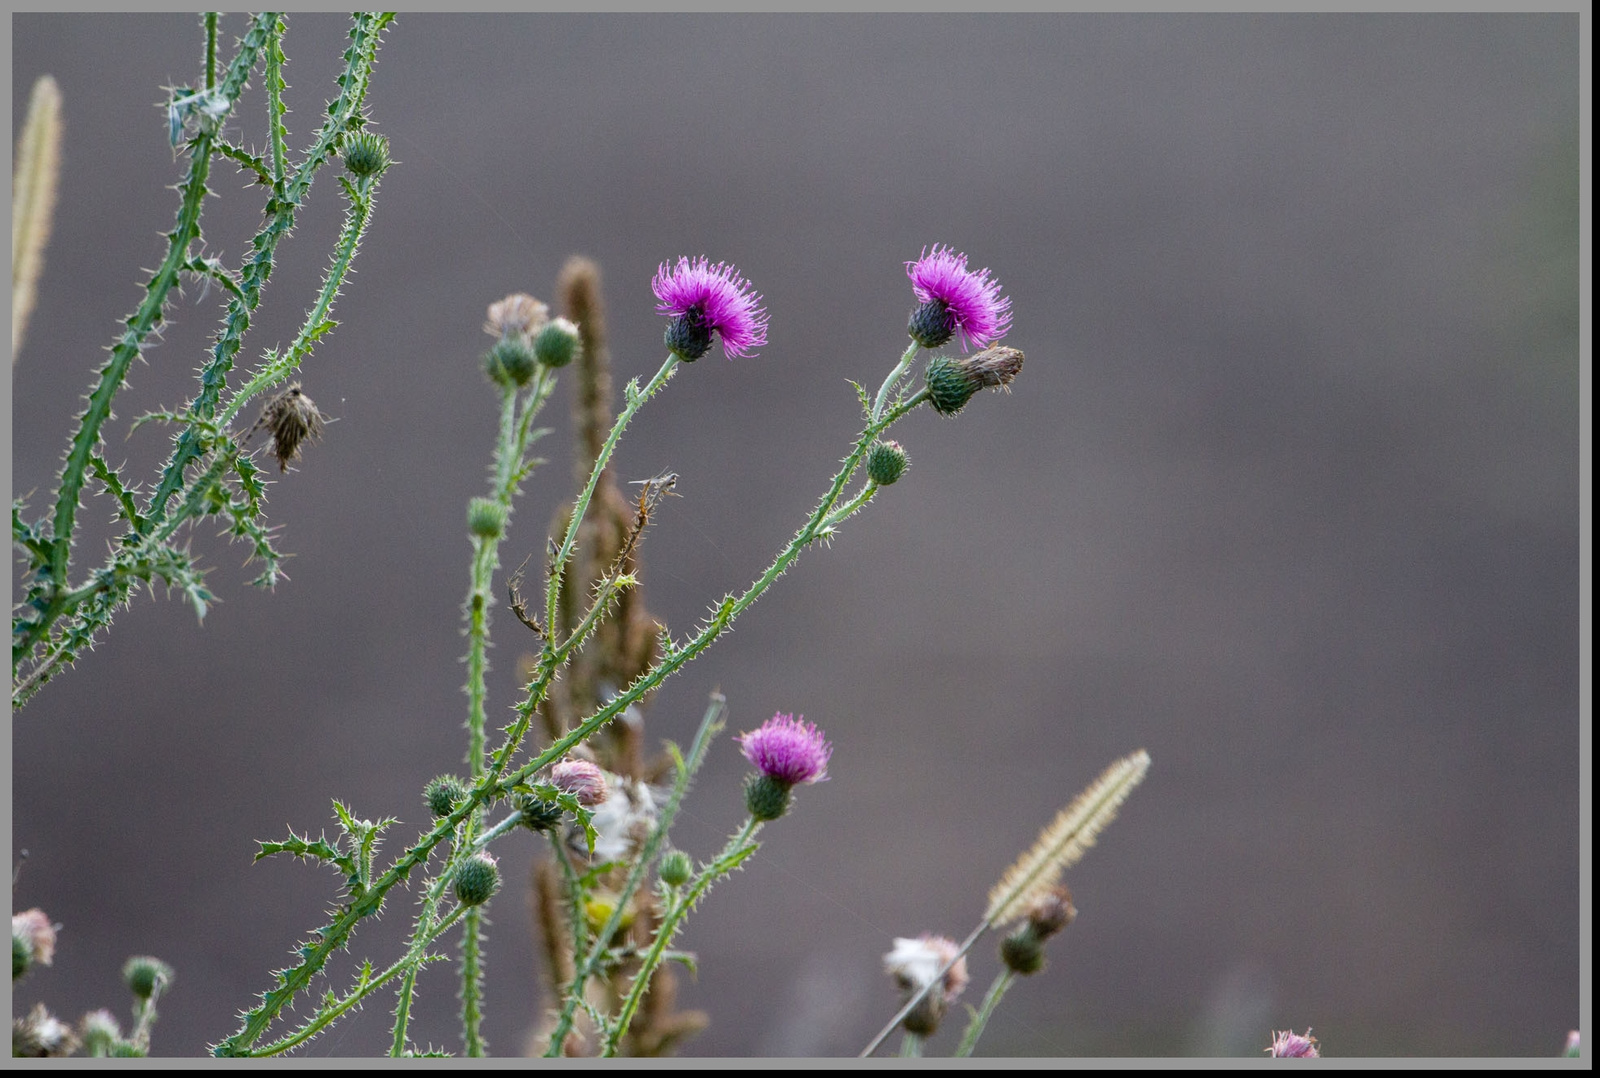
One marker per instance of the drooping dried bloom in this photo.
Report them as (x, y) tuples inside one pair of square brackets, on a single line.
[(914, 964), (953, 382), (41, 1034), (33, 941), (623, 823), (292, 417), (704, 299), (582, 779), (1051, 911), (955, 300), (1288, 1044), (788, 750)]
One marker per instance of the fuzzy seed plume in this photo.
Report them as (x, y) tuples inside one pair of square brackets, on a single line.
[(1064, 841)]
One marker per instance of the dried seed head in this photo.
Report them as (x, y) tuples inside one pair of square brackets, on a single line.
[(518, 314), (292, 417), (41, 1034)]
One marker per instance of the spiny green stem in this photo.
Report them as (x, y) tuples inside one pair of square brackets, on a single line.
[(472, 984), (980, 1017), (710, 724), (738, 848), (635, 401), (889, 382)]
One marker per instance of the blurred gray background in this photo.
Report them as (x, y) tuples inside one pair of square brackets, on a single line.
[(1285, 494)]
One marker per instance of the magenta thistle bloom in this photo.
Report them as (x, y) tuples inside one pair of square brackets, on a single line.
[(955, 300), (1288, 1044), (705, 299), (788, 750)]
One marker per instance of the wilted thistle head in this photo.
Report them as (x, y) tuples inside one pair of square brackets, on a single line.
[(518, 314), (953, 382), (703, 300), (41, 1034), (292, 417), (914, 964), (33, 941), (1288, 1044), (955, 300)]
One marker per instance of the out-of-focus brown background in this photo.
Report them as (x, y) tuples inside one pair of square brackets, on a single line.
[(1285, 494)]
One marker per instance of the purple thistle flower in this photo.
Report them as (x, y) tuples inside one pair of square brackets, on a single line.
[(788, 750), (703, 299), (1287, 1044), (955, 300), (581, 779)]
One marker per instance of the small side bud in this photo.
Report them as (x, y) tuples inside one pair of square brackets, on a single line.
[(688, 336), (582, 779), (766, 797), (540, 815), (676, 868), (558, 343), (146, 976), (932, 324), (443, 794), (477, 879), (886, 462), (510, 362), (1051, 912), (486, 518), (366, 154)]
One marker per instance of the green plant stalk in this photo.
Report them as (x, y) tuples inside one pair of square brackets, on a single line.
[(210, 20), (710, 724), (911, 1046), (276, 134), (889, 382), (980, 1017), (739, 847), (635, 400), (472, 984), (333, 936)]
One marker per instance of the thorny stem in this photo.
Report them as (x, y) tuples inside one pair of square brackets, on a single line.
[(709, 725), (738, 848), (894, 376), (980, 1018)]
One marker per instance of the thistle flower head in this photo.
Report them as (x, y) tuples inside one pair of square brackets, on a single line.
[(788, 750), (704, 299), (914, 964), (953, 382), (292, 417), (582, 779), (955, 300), (33, 941), (518, 314), (1287, 1044)]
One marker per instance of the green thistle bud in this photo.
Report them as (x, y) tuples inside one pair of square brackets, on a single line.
[(676, 868), (952, 382), (886, 462), (366, 154), (1022, 952), (146, 976), (511, 362), (540, 815), (766, 797), (99, 1033), (477, 879), (558, 343), (443, 794), (486, 518)]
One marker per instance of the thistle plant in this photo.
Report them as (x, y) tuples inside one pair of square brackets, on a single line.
[(209, 472)]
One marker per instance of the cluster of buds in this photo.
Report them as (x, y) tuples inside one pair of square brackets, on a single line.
[(1023, 950), (526, 338), (915, 966)]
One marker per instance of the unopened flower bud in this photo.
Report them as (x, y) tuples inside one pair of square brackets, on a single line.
[(675, 868), (366, 154), (886, 462), (540, 815), (146, 976), (581, 779), (33, 941), (510, 362), (477, 879), (443, 794), (486, 518), (557, 343)]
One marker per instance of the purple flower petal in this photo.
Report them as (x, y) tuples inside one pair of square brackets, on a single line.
[(727, 302), (788, 750), (981, 314)]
